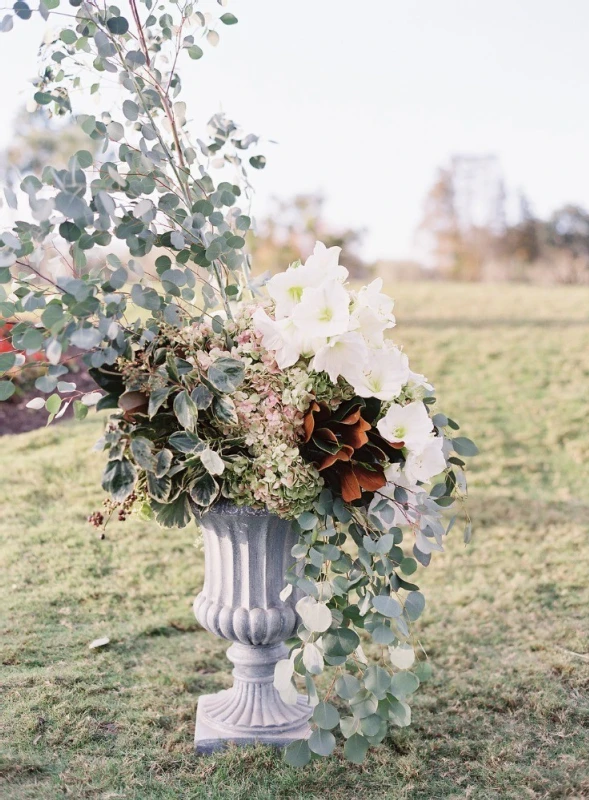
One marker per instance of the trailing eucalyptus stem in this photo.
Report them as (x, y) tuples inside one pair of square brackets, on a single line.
[(140, 219)]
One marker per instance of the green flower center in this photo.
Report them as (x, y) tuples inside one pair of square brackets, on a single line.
[(296, 292), (326, 314)]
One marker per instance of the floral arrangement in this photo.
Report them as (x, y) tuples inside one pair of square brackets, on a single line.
[(291, 398), (300, 404), (299, 392)]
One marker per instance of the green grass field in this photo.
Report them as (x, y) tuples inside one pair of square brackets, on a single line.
[(506, 714)]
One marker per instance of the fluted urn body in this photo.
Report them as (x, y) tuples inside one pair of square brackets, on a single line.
[(247, 553)]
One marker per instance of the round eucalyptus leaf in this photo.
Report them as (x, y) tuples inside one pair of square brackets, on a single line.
[(325, 716), (7, 389), (322, 742), (117, 25), (297, 754), (355, 748)]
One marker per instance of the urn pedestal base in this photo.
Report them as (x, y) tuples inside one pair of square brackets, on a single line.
[(251, 711), (247, 555)]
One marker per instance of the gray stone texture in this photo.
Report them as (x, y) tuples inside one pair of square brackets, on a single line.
[(247, 552)]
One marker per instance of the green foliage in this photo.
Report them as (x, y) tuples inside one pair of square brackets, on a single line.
[(484, 724), (151, 190), (157, 193)]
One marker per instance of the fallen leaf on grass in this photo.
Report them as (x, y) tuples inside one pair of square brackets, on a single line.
[(99, 643)]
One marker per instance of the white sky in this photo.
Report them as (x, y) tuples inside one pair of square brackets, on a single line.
[(367, 99)]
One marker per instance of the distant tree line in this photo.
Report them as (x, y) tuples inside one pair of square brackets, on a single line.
[(467, 234)]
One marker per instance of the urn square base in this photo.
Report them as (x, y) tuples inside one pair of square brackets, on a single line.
[(210, 736)]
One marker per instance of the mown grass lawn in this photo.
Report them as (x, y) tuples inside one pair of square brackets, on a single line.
[(506, 714)]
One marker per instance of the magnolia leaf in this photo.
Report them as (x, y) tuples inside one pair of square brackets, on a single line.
[(132, 403)]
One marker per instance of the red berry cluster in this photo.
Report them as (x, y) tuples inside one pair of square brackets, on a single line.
[(122, 510), (96, 518)]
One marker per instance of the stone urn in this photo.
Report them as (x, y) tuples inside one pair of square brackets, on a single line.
[(247, 553)]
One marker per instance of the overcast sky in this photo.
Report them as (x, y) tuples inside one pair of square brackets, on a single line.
[(366, 99)]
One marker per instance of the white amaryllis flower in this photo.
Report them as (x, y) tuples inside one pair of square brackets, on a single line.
[(372, 313), (426, 464), (286, 288), (323, 311), (325, 261), (341, 356), (383, 375), (409, 425), (278, 336)]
